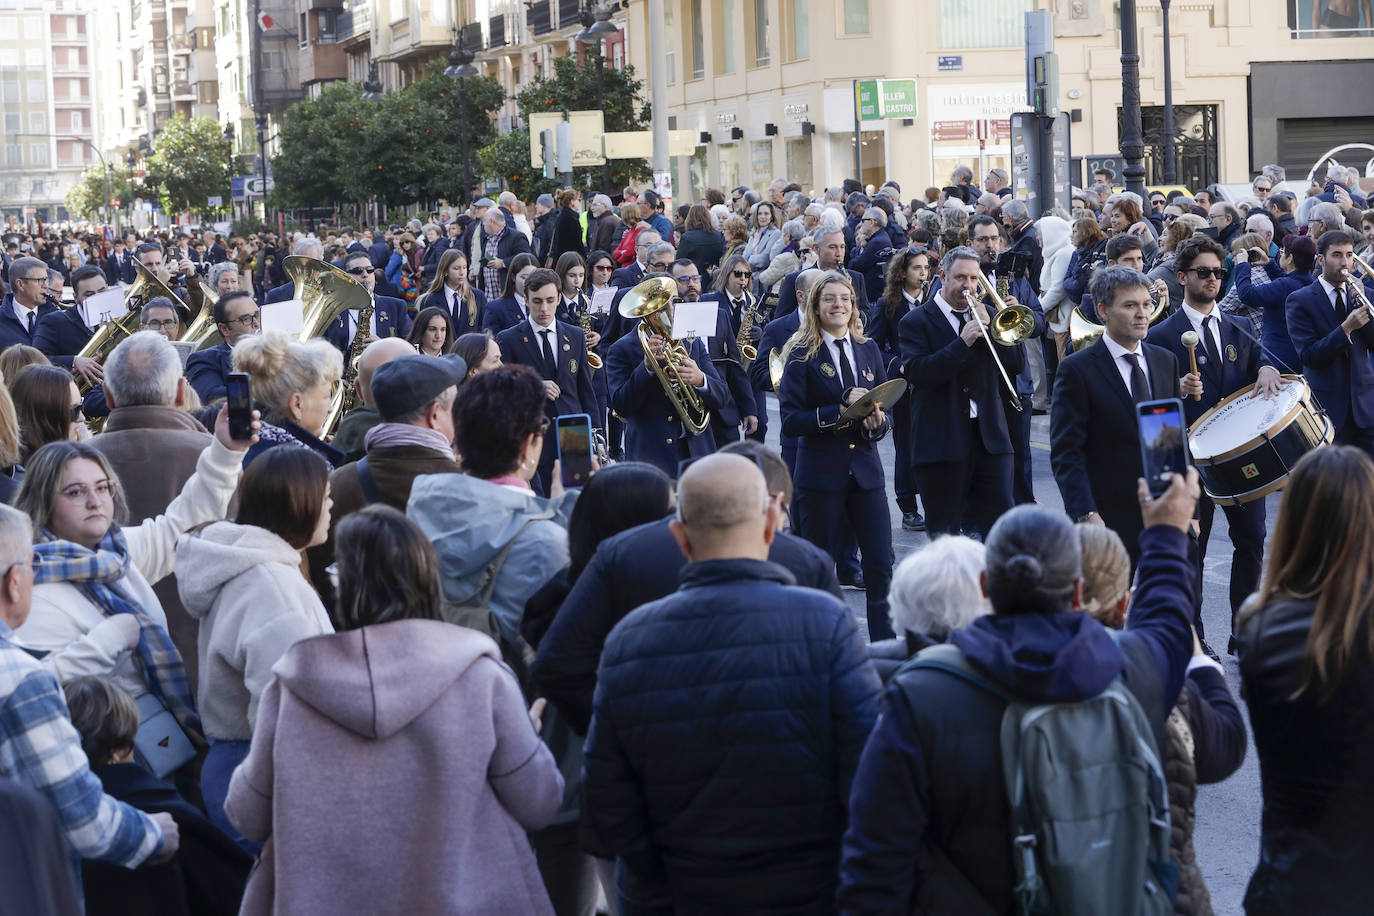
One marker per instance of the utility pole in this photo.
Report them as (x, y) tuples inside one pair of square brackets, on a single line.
[(1132, 135), (658, 86), (1170, 175)]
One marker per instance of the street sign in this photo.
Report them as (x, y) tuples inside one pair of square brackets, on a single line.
[(1112, 161), (215, 202), (950, 63), (880, 99), (254, 185), (236, 187), (114, 202), (639, 144), (587, 128)]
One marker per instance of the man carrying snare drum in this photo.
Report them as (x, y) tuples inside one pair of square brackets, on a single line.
[(1229, 359)]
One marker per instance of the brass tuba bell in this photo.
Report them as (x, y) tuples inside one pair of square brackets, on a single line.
[(204, 332), (652, 303), (111, 332), (325, 293)]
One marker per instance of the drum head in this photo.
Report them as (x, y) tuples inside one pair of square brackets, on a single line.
[(1243, 417)]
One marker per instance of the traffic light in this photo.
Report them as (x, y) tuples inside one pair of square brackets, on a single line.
[(1045, 99), (546, 151)]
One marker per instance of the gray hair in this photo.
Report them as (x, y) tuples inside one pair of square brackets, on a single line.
[(1034, 560), (806, 279), (928, 220), (493, 216), (647, 239), (601, 200), (958, 253), (719, 214), (794, 230), (832, 220), (25, 265), (820, 232), (1335, 172), (1106, 280), (282, 366), (212, 276), (16, 536), (964, 172), (1001, 175), (1016, 210), (1276, 173), (937, 590), (658, 248), (1329, 213), (877, 215), (987, 200), (1102, 190), (143, 371), (308, 247)]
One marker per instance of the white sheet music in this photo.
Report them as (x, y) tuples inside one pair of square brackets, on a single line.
[(287, 316), (104, 306), (601, 300), (694, 319)]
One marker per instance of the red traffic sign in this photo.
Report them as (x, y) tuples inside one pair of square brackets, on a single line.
[(114, 202)]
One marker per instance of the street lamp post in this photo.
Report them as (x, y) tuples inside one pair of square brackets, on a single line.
[(229, 147), (1132, 139), (593, 33), (460, 66), (1170, 175), (261, 125)]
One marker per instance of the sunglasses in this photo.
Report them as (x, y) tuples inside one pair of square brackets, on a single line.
[(76, 413), (360, 271), (741, 275), (1204, 273)]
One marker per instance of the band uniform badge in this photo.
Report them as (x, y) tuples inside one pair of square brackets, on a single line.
[(868, 375), (572, 367), (567, 346), (1231, 352), (827, 370)]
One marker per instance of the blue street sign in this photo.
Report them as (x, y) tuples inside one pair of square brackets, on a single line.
[(949, 63)]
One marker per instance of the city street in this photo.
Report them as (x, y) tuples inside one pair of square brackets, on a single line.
[(1226, 835)]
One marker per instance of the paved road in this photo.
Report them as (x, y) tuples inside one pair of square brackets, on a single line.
[(1226, 835)]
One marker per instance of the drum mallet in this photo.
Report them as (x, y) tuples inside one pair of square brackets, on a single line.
[(1190, 340)]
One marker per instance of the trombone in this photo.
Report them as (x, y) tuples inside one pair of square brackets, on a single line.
[(973, 306), (652, 302), (1008, 327), (1355, 288)]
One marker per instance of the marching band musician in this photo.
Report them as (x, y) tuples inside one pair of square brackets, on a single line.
[(732, 291), (451, 292), (237, 317), (576, 309), (960, 444), (724, 350), (1229, 358), (558, 352), (389, 316), (830, 364), (654, 432)]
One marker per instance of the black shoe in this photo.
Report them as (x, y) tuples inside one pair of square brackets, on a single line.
[(1231, 646), (855, 581), (913, 521), (1209, 651)]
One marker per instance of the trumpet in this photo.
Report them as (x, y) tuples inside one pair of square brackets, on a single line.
[(652, 302), (1366, 272), (1355, 289)]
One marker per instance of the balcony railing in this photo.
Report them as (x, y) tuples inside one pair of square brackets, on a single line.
[(496, 31), (181, 42), (357, 21), (568, 11), (538, 18)]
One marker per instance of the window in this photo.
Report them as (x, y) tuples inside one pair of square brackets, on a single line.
[(982, 23), (698, 40), (9, 58), (38, 154), (13, 123), (38, 122), (37, 187), (37, 91), (11, 187), (725, 36), (796, 30), (14, 154), (328, 25), (856, 16), (757, 23), (11, 90), (76, 119), (33, 28), (1322, 19), (33, 57), (273, 61)]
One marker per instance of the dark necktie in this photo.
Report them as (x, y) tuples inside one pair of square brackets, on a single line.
[(962, 315), (1140, 385), (1340, 304), (1209, 343), (846, 373), (550, 366), (31, 317)]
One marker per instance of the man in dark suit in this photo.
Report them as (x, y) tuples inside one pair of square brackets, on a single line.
[(215, 252), (119, 266), (1229, 359), (658, 260), (64, 332), (380, 249), (1333, 337), (558, 352), (389, 316), (304, 248), (960, 445), (236, 316), (628, 276), (742, 409), (829, 244), (349, 243), (1094, 436), (499, 244), (654, 432), (26, 302)]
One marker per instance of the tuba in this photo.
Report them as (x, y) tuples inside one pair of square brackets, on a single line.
[(204, 332), (326, 293), (652, 302), (146, 286)]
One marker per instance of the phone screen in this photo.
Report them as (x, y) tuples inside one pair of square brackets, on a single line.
[(1163, 442), (575, 449), (240, 397)]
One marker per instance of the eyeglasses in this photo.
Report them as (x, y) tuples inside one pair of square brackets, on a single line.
[(76, 413), (80, 492), (39, 279), (1204, 273), (167, 325), (604, 267), (251, 320), (1260, 187), (689, 279), (740, 275), (659, 266), (360, 271)]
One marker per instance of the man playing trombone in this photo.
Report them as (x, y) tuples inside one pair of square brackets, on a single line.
[(960, 445)]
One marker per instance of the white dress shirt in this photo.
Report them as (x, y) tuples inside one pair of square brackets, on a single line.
[(1124, 365), (834, 350), (353, 321), (23, 314), (1196, 318), (953, 320)]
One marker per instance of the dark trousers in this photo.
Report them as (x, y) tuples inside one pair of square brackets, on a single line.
[(761, 404), (1019, 425), (1362, 437), (1246, 523), (847, 563), (568, 873), (819, 521), (966, 497), (903, 474), (723, 433)]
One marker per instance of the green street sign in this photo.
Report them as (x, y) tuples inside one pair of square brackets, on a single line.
[(879, 99)]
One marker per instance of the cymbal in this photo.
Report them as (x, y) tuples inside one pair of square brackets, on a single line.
[(877, 398)]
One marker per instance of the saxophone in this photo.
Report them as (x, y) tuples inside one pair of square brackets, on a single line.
[(346, 398), (585, 320), (747, 350)]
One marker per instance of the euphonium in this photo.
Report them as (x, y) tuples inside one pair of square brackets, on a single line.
[(326, 293), (747, 350), (204, 332), (652, 303), (1084, 332), (145, 287)]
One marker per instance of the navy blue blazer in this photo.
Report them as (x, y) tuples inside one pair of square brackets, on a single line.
[(281, 293), (883, 332), (811, 401), (945, 374), (502, 313), (1337, 367), (208, 372), (735, 317), (652, 427), (787, 294), (391, 318), (120, 269), (626, 277), (574, 377), (775, 336), (12, 331), (1241, 358), (461, 323), (1270, 298), (61, 333)]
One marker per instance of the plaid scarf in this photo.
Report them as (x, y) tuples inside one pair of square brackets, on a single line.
[(96, 574)]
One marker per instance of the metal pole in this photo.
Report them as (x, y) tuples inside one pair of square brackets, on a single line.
[(1170, 175), (463, 145), (658, 84), (1132, 139), (858, 151), (261, 125), (601, 106)]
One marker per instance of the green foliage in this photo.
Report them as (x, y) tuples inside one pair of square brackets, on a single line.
[(87, 196), (573, 87), (405, 148), (190, 163)]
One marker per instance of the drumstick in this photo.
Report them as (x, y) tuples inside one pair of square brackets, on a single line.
[(1189, 339)]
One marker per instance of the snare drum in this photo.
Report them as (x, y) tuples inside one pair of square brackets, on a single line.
[(1245, 447)]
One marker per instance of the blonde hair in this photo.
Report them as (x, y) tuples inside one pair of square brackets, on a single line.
[(282, 366), (809, 334), (1106, 571)]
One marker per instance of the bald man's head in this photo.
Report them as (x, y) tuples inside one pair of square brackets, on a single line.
[(803, 284), (378, 352), (724, 510)]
